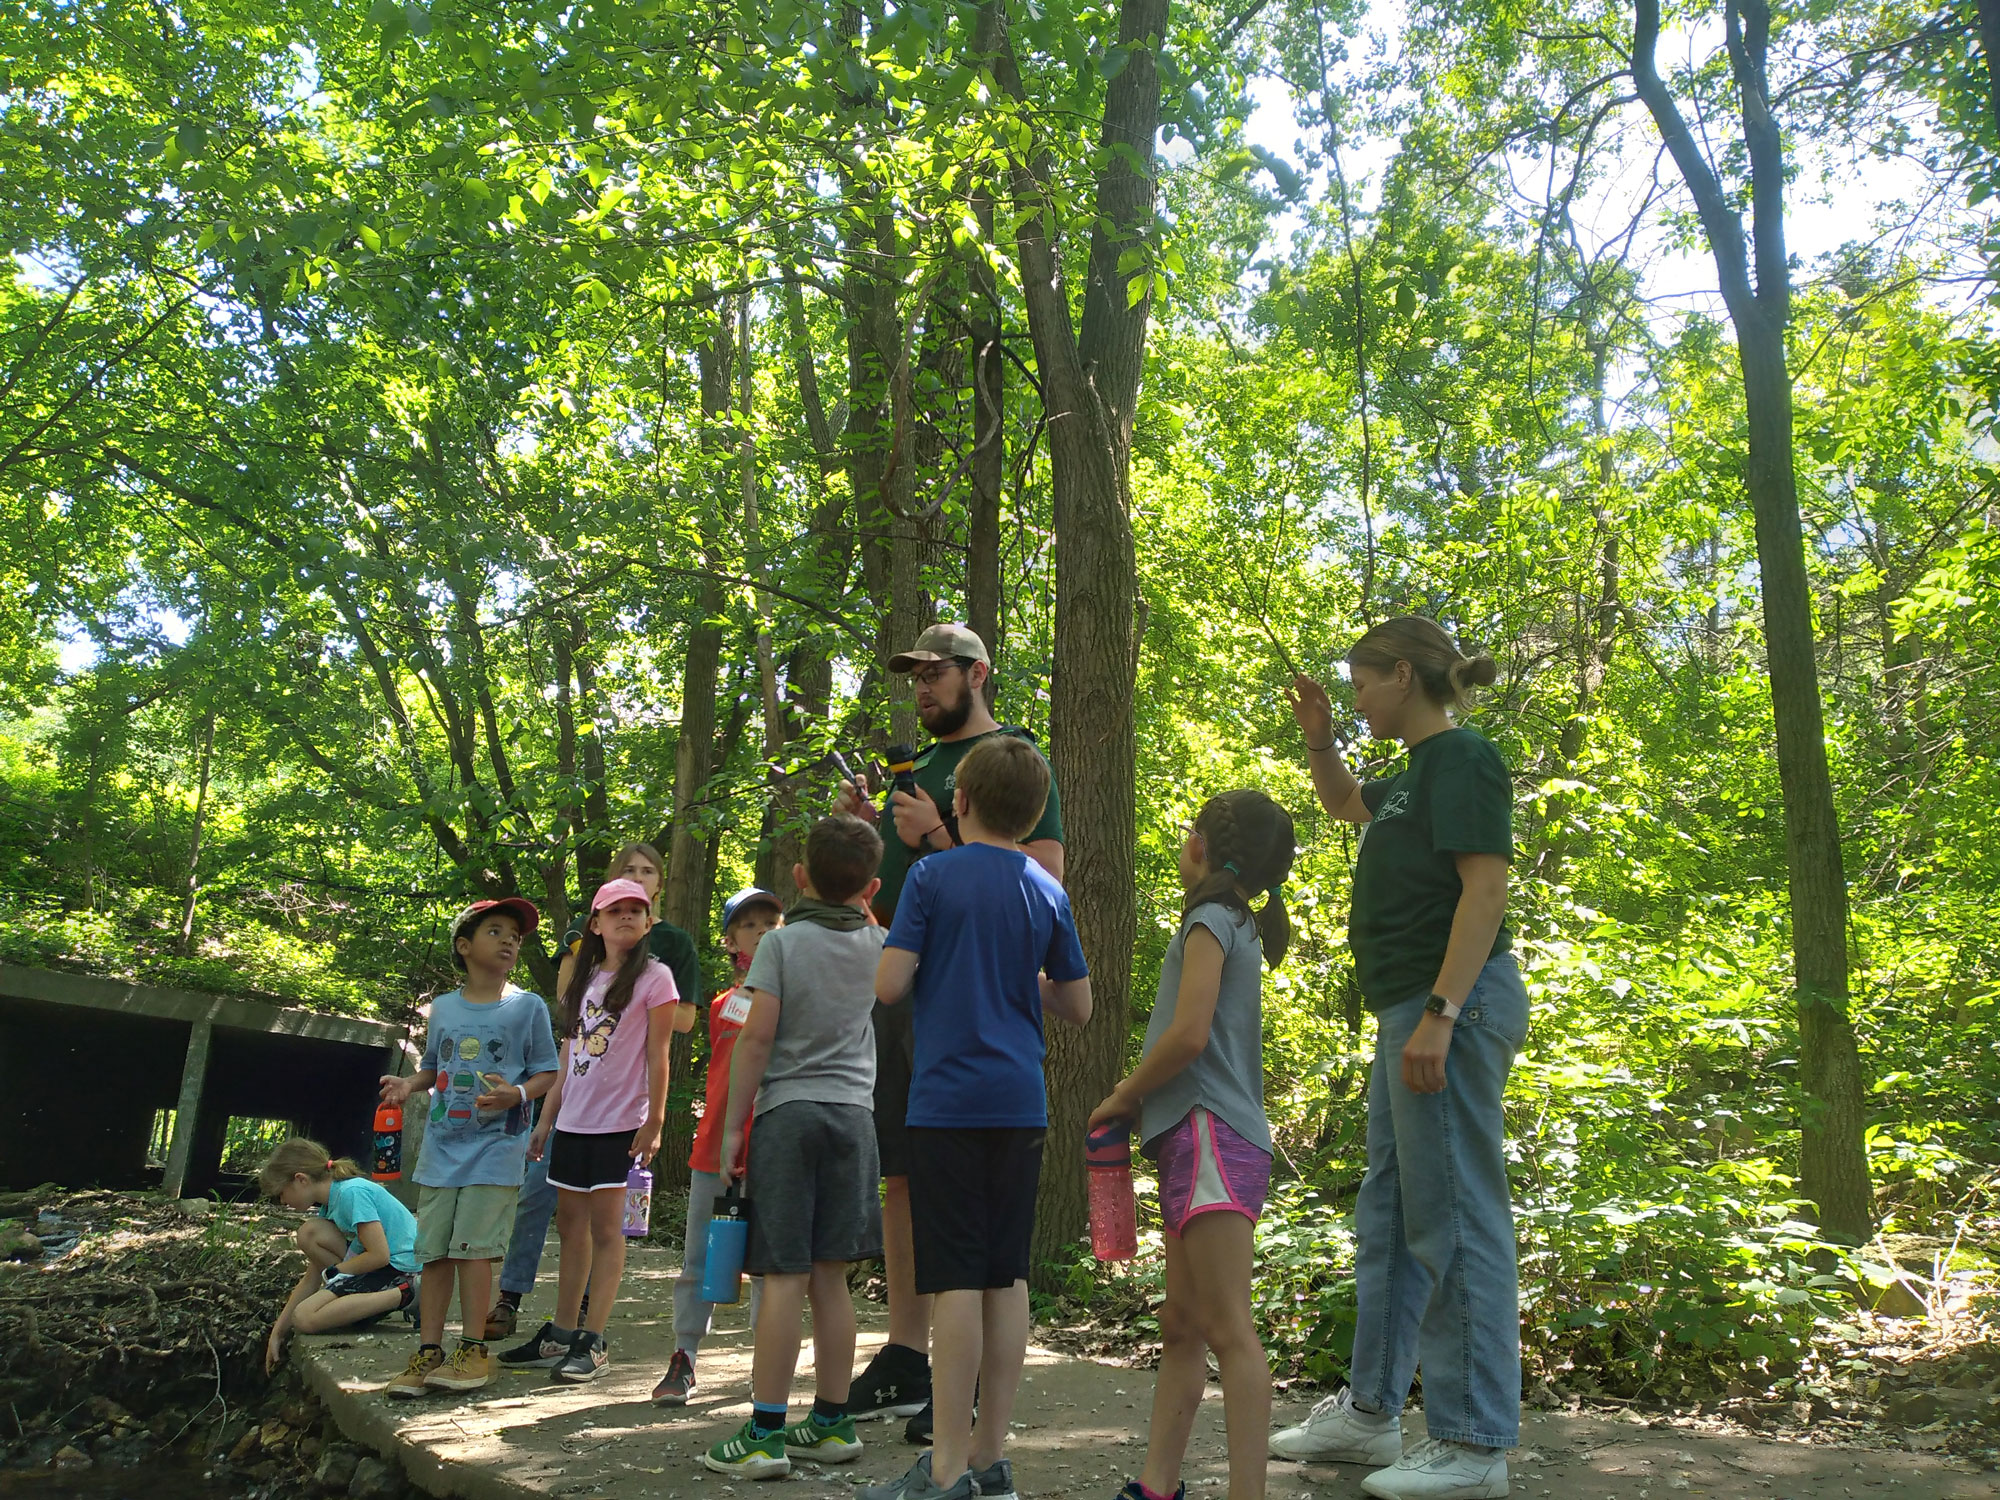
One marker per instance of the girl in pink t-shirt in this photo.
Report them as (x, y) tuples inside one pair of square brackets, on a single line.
[(606, 1110)]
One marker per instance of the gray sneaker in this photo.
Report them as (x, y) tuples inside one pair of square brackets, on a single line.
[(997, 1482), (917, 1484)]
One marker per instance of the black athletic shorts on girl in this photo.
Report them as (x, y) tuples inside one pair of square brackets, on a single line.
[(361, 1283), (972, 1205), (587, 1163)]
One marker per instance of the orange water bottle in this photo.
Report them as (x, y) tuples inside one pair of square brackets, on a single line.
[(388, 1142), (1114, 1213)]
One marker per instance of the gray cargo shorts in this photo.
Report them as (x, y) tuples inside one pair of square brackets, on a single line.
[(814, 1186)]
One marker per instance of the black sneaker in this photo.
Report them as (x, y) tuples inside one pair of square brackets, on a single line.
[(544, 1351), (897, 1383), (587, 1357), (918, 1429)]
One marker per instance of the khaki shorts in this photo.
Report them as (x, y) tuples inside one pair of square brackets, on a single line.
[(465, 1223)]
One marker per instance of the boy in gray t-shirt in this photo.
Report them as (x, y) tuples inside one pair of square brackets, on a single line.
[(805, 1062)]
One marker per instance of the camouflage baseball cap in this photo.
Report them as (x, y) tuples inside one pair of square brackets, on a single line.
[(941, 643)]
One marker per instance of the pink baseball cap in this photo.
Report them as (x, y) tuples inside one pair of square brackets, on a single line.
[(614, 891)]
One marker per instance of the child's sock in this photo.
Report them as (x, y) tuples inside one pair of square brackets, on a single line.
[(477, 1346), (828, 1413), (561, 1335), (765, 1420), (1152, 1494)]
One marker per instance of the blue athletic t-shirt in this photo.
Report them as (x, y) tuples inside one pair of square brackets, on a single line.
[(984, 922), (354, 1201)]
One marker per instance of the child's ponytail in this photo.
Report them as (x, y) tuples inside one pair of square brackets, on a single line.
[(299, 1157), (1250, 842)]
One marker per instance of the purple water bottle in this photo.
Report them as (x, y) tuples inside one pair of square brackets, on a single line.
[(638, 1202)]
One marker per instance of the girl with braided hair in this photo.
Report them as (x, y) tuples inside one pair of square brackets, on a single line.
[(1197, 1096), (1436, 1283)]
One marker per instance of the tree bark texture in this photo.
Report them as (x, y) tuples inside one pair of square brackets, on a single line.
[(1090, 384), (1833, 1160), (686, 897), (989, 447)]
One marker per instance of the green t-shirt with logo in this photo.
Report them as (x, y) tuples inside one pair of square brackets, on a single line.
[(936, 772), (1454, 797)]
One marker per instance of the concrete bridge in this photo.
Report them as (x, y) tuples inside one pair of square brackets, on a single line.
[(88, 1063)]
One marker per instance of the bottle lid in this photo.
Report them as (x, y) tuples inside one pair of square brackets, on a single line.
[(1110, 1145)]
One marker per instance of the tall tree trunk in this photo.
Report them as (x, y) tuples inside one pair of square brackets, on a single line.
[(1833, 1160), (186, 942), (1090, 383), (989, 447), (686, 897), (782, 806)]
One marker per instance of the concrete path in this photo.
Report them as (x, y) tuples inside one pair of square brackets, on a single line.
[(1080, 1431)]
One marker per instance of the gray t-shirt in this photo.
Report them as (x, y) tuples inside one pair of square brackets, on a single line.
[(825, 984), (1227, 1079)]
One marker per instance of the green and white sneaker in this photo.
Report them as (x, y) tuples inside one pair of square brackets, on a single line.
[(752, 1456), (827, 1445)]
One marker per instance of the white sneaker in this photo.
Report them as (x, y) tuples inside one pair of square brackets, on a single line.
[(1435, 1470), (1338, 1434)]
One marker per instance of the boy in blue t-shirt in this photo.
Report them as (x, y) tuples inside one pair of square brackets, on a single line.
[(489, 1053), (975, 928)]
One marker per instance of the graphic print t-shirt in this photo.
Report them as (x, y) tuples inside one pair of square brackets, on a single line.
[(1455, 797), (726, 1015), (605, 1087), (473, 1048)]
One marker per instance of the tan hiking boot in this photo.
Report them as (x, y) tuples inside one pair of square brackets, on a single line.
[(416, 1375), (469, 1367)]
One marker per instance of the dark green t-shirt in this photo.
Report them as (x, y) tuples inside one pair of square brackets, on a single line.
[(937, 773), (1455, 797)]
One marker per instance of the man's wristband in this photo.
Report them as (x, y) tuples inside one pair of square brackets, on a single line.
[(1312, 749)]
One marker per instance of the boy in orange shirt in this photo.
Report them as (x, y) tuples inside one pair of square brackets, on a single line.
[(746, 917)]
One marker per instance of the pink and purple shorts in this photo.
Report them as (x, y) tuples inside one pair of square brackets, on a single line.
[(1206, 1167)]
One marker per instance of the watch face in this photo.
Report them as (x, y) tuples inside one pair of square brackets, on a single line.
[(1435, 1005)]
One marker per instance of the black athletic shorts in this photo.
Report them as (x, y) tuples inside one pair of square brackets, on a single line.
[(588, 1163), (381, 1279), (895, 1060), (972, 1205)]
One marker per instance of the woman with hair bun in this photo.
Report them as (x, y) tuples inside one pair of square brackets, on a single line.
[(1435, 1276)]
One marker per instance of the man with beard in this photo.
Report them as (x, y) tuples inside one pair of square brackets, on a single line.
[(950, 668)]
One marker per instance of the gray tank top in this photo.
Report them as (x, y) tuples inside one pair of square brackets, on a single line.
[(1227, 1079)]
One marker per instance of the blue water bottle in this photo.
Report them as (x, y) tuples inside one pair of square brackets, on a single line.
[(728, 1235)]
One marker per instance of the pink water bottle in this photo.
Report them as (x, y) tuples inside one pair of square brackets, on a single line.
[(1114, 1216)]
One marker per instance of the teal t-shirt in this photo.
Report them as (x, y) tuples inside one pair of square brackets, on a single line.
[(1454, 797), (354, 1201)]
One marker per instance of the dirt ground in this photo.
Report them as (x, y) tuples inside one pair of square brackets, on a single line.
[(1079, 1431)]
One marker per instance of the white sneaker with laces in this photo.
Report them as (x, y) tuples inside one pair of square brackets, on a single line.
[(1436, 1470), (1335, 1433)]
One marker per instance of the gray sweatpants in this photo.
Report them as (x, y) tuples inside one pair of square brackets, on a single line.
[(691, 1314)]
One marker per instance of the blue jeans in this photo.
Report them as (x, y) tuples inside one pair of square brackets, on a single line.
[(1435, 1277), (536, 1208)]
